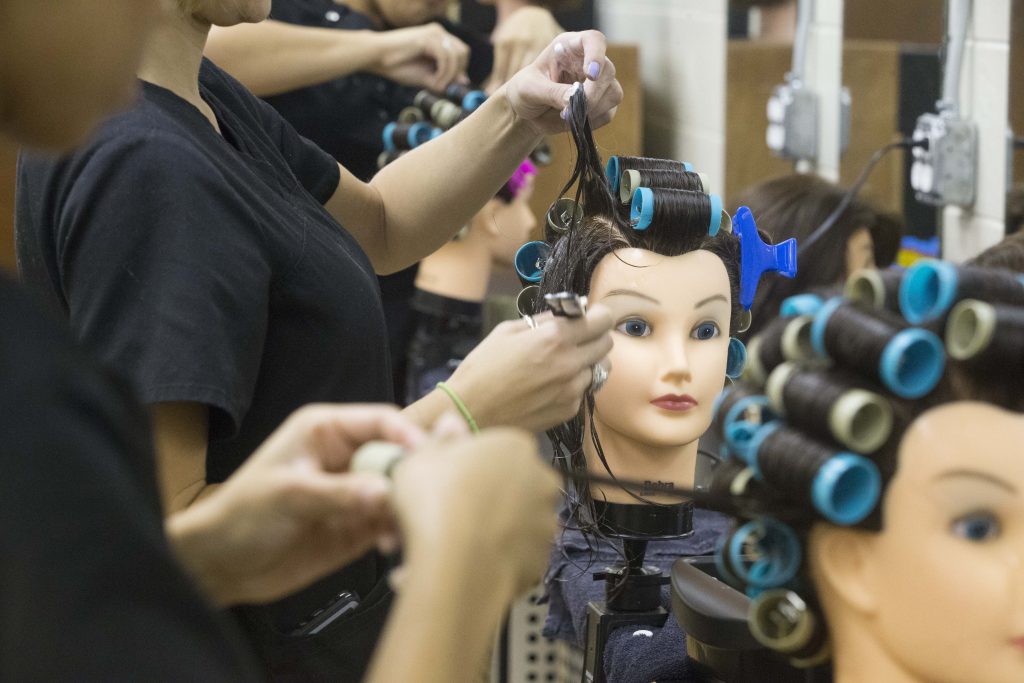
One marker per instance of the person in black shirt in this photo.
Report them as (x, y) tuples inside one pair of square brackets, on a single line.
[(293, 62), (90, 590), (196, 245)]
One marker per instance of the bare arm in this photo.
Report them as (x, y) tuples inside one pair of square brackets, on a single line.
[(421, 200), (180, 433), (274, 57)]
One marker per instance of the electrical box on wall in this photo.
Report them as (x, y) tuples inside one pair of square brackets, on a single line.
[(944, 171), (792, 122)]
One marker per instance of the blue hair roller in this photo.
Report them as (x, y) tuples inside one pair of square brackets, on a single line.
[(739, 407), (912, 362), (688, 167), (846, 488), (820, 322), (757, 258), (419, 132), (928, 290), (436, 133), (747, 451), (800, 304), (530, 259), (738, 435), (778, 553), (613, 172), (716, 215), (641, 211), (473, 100), (387, 135), (737, 358)]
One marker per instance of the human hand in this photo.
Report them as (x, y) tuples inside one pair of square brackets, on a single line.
[(539, 93), (423, 56), (486, 502), (292, 513), (533, 378), (518, 40)]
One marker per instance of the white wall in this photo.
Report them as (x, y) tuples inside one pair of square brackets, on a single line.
[(682, 59), (824, 74), (984, 98)]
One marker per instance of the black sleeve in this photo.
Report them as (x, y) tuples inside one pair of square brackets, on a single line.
[(88, 585), (316, 169), (166, 274)]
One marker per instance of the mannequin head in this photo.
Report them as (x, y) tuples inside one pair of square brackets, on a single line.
[(930, 585), (674, 294), (950, 554), (506, 221)]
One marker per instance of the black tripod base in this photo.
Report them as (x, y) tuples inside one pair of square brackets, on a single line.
[(600, 623)]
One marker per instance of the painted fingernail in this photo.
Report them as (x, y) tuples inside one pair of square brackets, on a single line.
[(594, 70)]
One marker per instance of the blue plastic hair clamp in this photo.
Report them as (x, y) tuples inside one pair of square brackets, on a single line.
[(757, 258)]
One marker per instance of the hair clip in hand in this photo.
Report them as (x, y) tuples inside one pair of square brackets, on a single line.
[(757, 258), (567, 304), (530, 260)]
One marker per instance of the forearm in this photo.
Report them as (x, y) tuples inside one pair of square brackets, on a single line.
[(443, 624), (273, 57), (196, 537), (430, 193)]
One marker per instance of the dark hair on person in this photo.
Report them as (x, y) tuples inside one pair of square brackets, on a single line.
[(778, 450), (601, 230), (1007, 254), (794, 206)]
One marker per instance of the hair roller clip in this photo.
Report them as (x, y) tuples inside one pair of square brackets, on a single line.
[(757, 258), (779, 619), (410, 115), (800, 304), (564, 215), (763, 553), (567, 304), (528, 300), (530, 260), (737, 358)]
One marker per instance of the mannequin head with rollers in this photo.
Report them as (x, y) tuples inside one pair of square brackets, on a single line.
[(673, 289), (917, 569)]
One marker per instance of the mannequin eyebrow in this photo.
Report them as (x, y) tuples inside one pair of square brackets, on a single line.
[(713, 297), (975, 474), (630, 292)]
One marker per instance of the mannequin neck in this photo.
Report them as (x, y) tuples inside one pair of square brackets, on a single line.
[(461, 269), (630, 459), (858, 656), (173, 55)]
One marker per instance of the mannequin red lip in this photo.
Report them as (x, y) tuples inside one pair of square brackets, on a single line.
[(1017, 642), (675, 403)]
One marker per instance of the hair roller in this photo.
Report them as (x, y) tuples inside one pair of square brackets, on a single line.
[(828, 405), (842, 487), (986, 334), (530, 260), (738, 405), (784, 339), (618, 164), (800, 304), (930, 288), (665, 208), (634, 179), (909, 361), (763, 553), (562, 216), (873, 288), (405, 136), (779, 619), (467, 97)]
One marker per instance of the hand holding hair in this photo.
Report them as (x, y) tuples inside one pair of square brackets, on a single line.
[(293, 512), (540, 92), (533, 378)]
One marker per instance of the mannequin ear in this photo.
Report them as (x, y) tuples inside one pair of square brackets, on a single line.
[(485, 222), (842, 562)]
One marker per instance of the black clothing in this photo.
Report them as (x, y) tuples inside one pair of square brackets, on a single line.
[(89, 589), (446, 331), (207, 269), (346, 118)]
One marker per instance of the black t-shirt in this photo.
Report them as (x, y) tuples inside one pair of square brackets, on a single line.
[(89, 590), (206, 268)]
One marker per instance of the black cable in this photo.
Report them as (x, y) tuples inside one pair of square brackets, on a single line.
[(830, 221)]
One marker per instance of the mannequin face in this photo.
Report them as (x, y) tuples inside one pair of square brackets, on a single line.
[(671, 343), (403, 13), (860, 251), (511, 224), (942, 586), (65, 65)]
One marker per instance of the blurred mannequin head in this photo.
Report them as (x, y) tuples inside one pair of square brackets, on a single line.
[(66, 64), (506, 225), (938, 594)]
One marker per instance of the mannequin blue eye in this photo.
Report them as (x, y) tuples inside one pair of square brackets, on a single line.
[(707, 330), (635, 327), (977, 527)]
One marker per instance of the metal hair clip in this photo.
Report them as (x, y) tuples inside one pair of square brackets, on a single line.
[(567, 304)]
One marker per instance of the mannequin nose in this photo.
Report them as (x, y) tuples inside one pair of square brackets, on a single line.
[(677, 362)]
